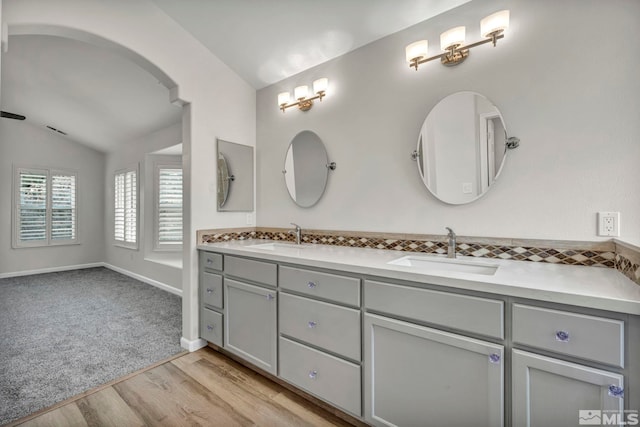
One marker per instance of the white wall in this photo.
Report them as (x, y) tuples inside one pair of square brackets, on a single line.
[(565, 81), (218, 103), (141, 260), (23, 144)]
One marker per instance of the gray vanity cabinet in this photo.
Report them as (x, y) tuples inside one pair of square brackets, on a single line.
[(417, 376), (400, 353), (250, 323), (211, 304), (553, 392)]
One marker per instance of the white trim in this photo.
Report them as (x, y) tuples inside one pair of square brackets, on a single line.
[(51, 270), (144, 279), (192, 345)]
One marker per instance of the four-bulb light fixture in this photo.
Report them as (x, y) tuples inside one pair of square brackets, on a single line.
[(301, 94), (452, 42)]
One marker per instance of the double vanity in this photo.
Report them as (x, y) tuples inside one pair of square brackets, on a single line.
[(400, 338)]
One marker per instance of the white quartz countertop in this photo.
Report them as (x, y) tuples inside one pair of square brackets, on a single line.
[(594, 287)]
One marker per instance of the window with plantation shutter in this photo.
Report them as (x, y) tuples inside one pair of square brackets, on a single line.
[(45, 208), (63, 207), (169, 207), (126, 208)]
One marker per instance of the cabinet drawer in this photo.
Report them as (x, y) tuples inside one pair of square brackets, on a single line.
[(329, 326), (211, 289), (330, 378), (257, 271), (472, 314), (210, 261), (211, 326), (587, 337), (342, 289)]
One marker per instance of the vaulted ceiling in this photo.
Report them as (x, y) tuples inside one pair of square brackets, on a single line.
[(103, 100)]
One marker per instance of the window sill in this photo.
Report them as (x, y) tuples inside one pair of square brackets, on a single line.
[(175, 263), (123, 246)]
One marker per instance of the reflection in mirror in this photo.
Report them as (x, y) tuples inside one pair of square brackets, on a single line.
[(306, 169), (235, 177), (461, 148), (223, 180)]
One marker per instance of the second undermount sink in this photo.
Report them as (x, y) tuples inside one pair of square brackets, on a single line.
[(432, 264), (284, 247)]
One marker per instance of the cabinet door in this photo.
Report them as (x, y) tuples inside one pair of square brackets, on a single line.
[(418, 376), (552, 392), (250, 323)]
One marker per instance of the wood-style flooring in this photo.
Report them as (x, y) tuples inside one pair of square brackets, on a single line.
[(204, 388)]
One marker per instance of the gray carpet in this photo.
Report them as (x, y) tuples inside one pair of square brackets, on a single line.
[(64, 333)]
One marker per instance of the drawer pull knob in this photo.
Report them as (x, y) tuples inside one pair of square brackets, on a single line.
[(562, 336), (209, 290), (615, 391), (311, 285), (211, 327), (270, 297), (209, 261), (494, 358), (312, 324), (313, 374)]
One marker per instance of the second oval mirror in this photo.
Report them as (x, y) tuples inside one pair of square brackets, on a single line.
[(461, 148), (306, 169)]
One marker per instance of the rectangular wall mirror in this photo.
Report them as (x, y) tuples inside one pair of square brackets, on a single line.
[(235, 177)]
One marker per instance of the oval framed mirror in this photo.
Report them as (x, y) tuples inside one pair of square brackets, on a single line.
[(462, 147), (306, 169)]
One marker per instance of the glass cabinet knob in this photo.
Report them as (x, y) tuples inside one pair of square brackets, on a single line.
[(615, 391), (209, 290), (562, 336), (211, 327), (311, 285), (313, 374), (494, 358), (311, 324)]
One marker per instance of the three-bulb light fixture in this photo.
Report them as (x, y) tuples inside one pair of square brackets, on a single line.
[(301, 95), (452, 42)]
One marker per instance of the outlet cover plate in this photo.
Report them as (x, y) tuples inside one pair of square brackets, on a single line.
[(609, 224)]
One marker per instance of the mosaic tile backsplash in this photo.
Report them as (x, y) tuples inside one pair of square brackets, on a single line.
[(413, 243)]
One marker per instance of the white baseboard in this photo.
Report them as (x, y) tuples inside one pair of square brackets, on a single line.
[(144, 279), (51, 270), (192, 345)]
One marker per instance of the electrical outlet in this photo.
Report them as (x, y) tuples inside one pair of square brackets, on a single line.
[(609, 224), (249, 219)]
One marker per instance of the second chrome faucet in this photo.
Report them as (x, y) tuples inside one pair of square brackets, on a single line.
[(297, 232), (451, 248)]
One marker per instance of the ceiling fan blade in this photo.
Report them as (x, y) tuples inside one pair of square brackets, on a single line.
[(8, 115)]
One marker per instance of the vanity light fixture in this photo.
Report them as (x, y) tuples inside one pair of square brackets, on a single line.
[(452, 42), (301, 94)]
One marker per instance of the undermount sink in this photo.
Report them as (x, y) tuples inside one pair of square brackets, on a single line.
[(277, 246), (428, 264)]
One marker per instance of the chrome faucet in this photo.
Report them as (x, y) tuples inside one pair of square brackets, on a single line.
[(451, 250), (297, 232)]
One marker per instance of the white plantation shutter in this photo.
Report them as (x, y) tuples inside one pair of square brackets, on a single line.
[(32, 207), (125, 207), (46, 210), (119, 208), (63, 207), (169, 218)]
